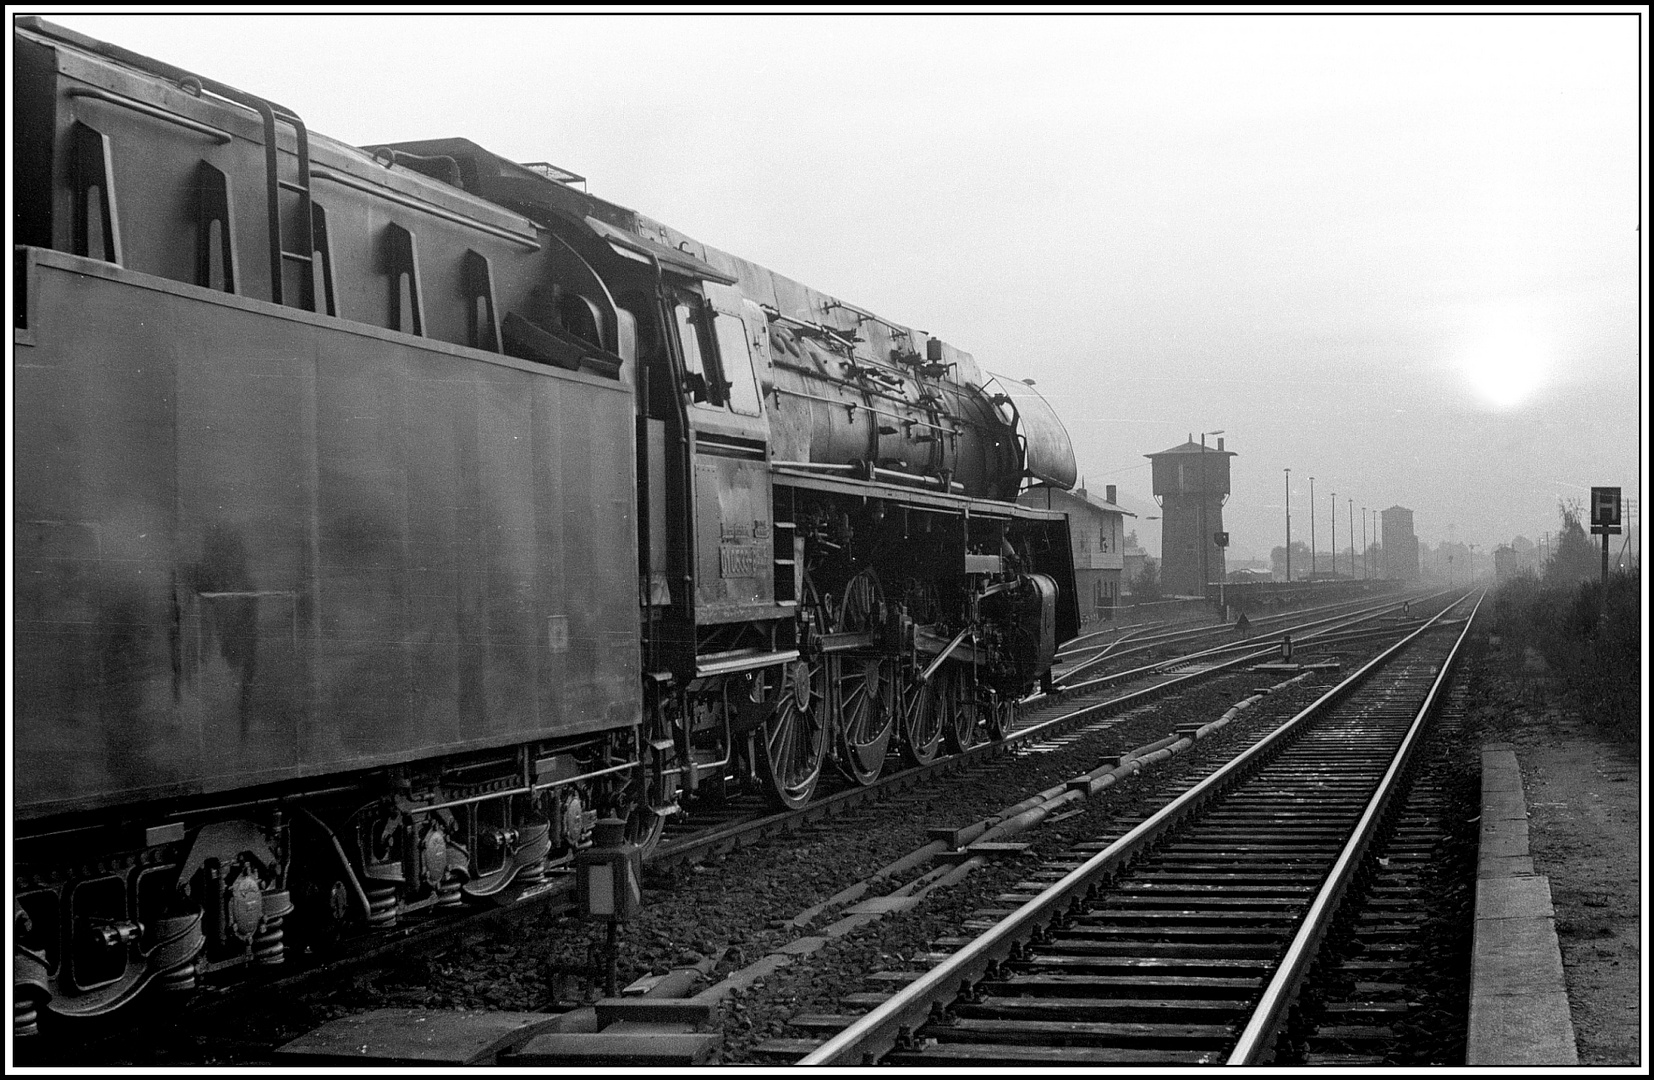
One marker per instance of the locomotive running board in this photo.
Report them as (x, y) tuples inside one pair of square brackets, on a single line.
[(742, 660), (913, 496)]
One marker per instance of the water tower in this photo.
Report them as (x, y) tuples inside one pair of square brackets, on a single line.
[(1401, 545), (1191, 484)]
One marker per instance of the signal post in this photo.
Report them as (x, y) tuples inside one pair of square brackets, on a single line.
[(1605, 519)]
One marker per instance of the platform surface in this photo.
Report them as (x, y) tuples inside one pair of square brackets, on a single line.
[(631, 1048), (415, 1037)]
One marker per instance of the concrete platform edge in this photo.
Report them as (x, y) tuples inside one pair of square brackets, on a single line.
[(1519, 1013)]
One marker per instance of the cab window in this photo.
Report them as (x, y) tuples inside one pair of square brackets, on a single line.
[(736, 357), (717, 359), (703, 384)]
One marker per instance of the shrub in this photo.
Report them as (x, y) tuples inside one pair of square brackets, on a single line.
[(1146, 586), (1590, 634)]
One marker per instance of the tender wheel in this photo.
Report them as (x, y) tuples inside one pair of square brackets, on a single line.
[(862, 687), (793, 739), (961, 713), (326, 905), (921, 720)]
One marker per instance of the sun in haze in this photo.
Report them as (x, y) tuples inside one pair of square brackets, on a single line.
[(1504, 362)]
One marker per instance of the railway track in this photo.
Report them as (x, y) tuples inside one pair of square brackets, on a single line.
[(1104, 667), (1041, 717), (704, 835), (1187, 939), (1140, 638)]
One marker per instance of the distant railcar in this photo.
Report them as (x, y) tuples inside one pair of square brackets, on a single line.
[(384, 516)]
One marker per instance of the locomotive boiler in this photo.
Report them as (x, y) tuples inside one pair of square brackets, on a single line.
[(386, 515)]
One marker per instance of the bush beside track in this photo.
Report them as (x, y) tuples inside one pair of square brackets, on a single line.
[(1587, 635)]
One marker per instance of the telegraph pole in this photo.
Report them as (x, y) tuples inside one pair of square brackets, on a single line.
[(1289, 526)]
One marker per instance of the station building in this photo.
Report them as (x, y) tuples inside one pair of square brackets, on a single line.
[(1191, 483), (1400, 548), (1096, 529)]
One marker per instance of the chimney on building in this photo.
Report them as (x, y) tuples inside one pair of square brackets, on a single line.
[(1110, 490), (1220, 443)]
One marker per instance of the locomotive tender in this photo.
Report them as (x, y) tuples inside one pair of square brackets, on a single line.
[(384, 516)]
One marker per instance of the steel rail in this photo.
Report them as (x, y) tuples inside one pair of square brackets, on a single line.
[(1071, 644), (1360, 614), (1104, 649), (1261, 624), (1171, 634), (881, 1030), (1258, 1036), (1326, 625)]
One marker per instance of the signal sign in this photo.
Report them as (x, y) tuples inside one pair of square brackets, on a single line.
[(1221, 539), (1605, 510)]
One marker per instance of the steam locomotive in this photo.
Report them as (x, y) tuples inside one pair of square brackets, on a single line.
[(386, 515)]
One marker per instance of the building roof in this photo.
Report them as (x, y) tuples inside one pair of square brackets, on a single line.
[(1101, 504), (1076, 493), (1192, 447)]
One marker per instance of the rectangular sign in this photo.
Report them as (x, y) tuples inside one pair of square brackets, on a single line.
[(738, 561), (1605, 509)]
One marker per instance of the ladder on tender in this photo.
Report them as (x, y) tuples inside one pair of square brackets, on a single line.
[(271, 113), (274, 185)]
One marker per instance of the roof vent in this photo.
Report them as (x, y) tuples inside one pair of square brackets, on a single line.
[(552, 172)]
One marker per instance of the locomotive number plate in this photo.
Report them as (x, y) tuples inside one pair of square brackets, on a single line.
[(738, 561)]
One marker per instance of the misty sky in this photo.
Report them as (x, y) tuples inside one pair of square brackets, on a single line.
[(1396, 253)]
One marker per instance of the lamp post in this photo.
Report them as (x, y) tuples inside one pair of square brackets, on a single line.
[(1377, 569), (1366, 570), (1205, 541), (1334, 516), (1351, 518), (1288, 526), (1312, 528)]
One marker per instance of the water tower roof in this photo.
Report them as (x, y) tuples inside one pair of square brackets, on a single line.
[(1191, 447)]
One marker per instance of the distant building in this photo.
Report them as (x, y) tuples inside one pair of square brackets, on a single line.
[(1191, 482), (1526, 556), (1096, 530), (1507, 563), (1401, 547), (1135, 560)]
